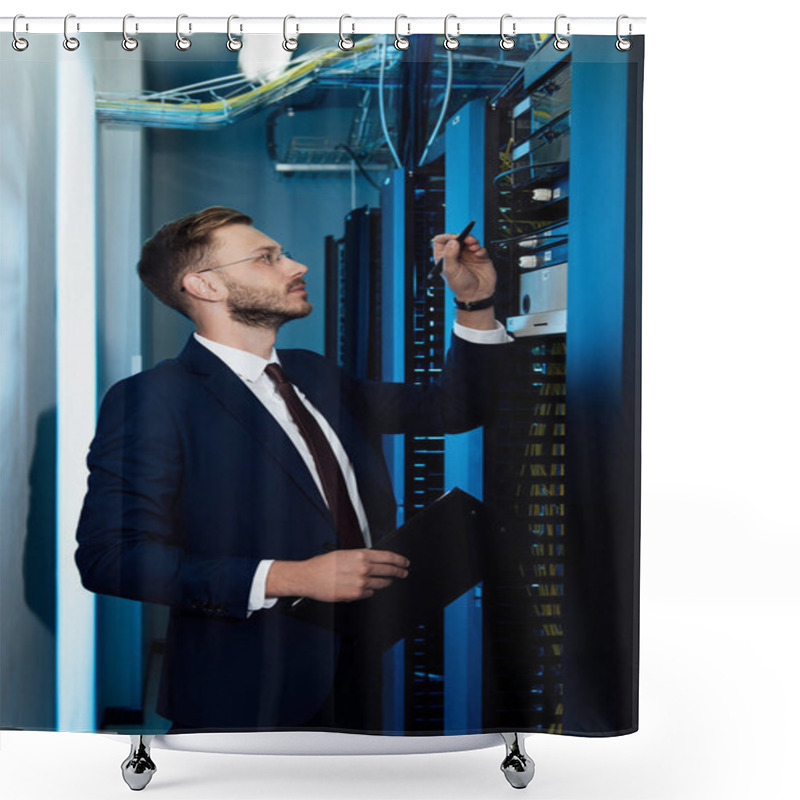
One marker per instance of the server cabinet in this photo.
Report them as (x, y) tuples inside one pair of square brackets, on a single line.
[(563, 463)]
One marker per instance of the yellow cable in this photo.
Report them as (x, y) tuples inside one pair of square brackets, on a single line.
[(237, 101)]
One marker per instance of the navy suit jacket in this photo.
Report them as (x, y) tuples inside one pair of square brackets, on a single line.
[(192, 482)]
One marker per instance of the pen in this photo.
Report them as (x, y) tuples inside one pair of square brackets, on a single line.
[(437, 267)]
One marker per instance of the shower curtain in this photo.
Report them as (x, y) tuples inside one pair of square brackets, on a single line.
[(427, 520)]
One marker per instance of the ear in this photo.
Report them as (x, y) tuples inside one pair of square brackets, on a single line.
[(200, 287)]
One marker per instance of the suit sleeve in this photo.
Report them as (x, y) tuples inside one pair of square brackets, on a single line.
[(130, 540), (462, 398)]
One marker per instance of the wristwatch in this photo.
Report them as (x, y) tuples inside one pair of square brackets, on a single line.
[(474, 305)]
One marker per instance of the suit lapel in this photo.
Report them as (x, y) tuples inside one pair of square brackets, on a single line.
[(239, 401)]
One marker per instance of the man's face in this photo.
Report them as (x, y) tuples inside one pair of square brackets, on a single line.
[(265, 290)]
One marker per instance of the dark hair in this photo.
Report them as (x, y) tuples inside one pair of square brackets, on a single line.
[(178, 247)]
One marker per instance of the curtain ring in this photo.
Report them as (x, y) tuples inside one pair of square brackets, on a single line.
[(233, 44), (451, 42), (18, 43), (507, 42), (345, 42), (128, 43), (400, 42), (561, 43), (70, 42), (623, 44), (181, 42), (289, 44)]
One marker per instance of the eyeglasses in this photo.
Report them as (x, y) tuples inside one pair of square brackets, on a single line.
[(269, 257)]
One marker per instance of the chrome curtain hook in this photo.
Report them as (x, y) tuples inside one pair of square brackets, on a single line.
[(400, 42), (507, 42), (623, 44), (561, 43), (345, 42), (233, 44), (70, 42), (18, 43), (128, 43), (289, 44), (181, 42), (451, 42)]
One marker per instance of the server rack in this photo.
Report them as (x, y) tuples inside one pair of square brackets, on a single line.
[(555, 194), (353, 294), (562, 464), (465, 137), (527, 225), (353, 305), (387, 323), (416, 682), (424, 455)]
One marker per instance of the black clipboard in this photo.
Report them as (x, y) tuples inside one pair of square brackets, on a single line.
[(446, 544)]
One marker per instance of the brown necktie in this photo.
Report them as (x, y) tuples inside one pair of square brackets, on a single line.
[(344, 515)]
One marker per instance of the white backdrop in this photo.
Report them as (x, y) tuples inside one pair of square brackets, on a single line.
[(720, 536)]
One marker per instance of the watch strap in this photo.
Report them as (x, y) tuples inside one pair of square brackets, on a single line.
[(474, 305)]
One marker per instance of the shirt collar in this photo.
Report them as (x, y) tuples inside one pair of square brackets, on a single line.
[(245, 364)]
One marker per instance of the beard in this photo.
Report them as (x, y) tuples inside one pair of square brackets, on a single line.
[(265, 308)]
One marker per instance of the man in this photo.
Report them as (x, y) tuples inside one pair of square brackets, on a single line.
[(236, 476)]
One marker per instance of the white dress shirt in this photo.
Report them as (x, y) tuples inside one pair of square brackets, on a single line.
[(250, 368)]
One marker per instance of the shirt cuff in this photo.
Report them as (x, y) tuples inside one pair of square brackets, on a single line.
[(257, 600), (496, 336)]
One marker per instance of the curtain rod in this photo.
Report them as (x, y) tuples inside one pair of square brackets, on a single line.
[(512, 26)]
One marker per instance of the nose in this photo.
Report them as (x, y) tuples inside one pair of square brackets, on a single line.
[(295, 267)]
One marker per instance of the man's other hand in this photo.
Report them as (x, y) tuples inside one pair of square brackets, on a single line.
[(340, 576)]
